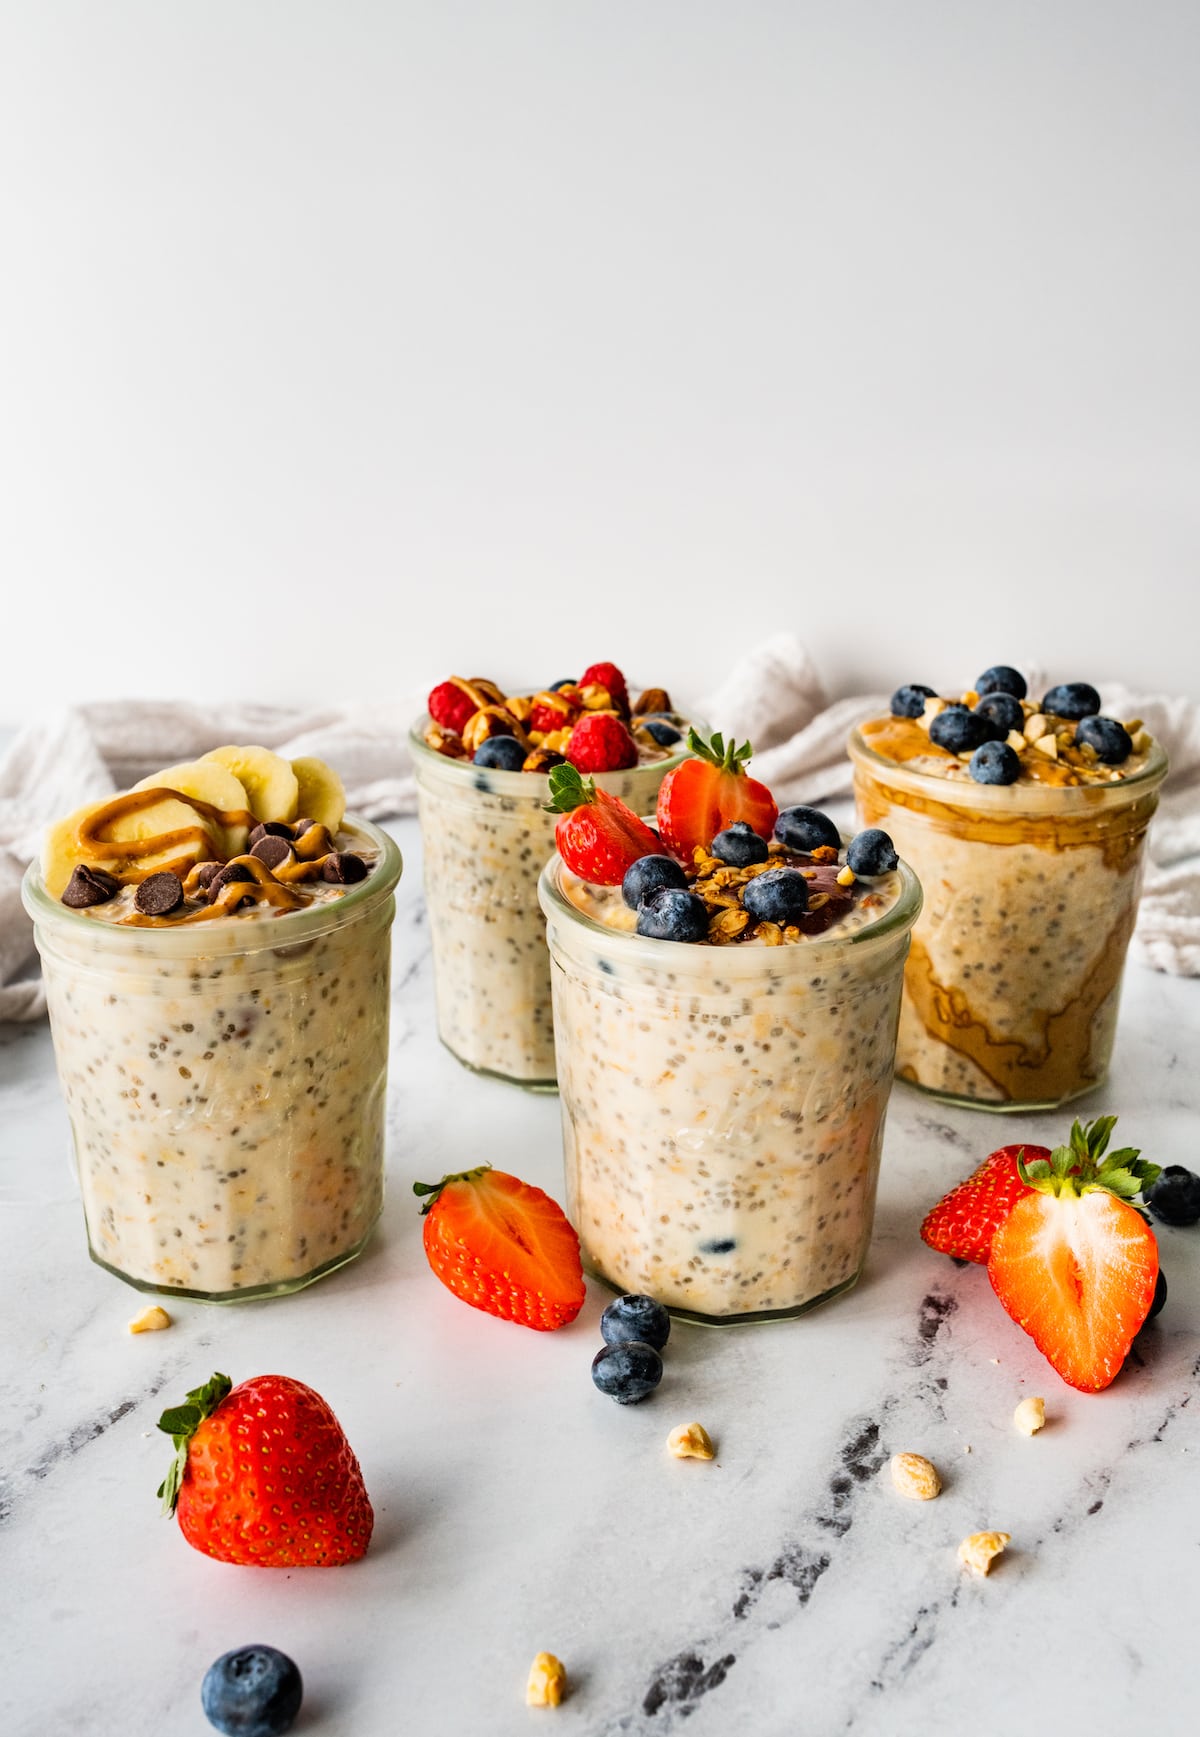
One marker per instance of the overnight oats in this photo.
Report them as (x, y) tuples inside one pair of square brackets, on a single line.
[(483, 761), (215, 945), (725, 1004), (1026, 823)]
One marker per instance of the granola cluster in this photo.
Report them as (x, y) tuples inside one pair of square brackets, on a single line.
[(721, 887)]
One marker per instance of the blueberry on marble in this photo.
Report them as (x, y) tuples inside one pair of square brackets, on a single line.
[(1175, 1197), (671, 914), (960, 731), (1072, 700), (994, 763), (647, 875), (666, 735), (739, 845), (1160, 1296), (1002, 711), (871, 853), (1110, 741), (806, 829), (501, 754), (1001, 679), (635, 1317), (779, 896), (627, 1371), (909, 701), (252, 1692)]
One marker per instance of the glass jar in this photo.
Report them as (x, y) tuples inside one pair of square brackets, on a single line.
[(723, 1107), (485, 835), (1031, 893), (225, 1083)]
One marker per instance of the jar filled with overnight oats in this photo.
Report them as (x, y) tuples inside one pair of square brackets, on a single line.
[(225, 1073), (723, 1105), (1031, 892)]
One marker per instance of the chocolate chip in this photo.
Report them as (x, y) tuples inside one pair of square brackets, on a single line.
[(89, 886), (271, 829), (300, 827), (202, 875), (343, 866), (273, 850), (159, 895), (230, 871)]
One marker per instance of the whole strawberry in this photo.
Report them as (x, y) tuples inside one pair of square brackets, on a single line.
[(964, 1221), (608, 677), (263, 1476), (598, 836), (601, 743), (705, 795)]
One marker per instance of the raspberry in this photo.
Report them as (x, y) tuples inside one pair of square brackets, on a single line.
[(609, 677), (601, 743), (450, 707)]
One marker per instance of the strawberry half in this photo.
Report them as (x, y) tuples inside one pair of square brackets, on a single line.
[(703, 796), (503, 1246), (263, 1476), (598, 837), (1073, 1263), (964, 1221)]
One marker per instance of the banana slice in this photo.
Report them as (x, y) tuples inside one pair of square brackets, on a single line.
[(270, 782), (322, 794), (64, 848), (209, 781)]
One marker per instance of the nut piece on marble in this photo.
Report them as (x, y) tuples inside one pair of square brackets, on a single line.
[(977, 1552), (690, 1441), (1030, 1415), (915, 1477), (547, 1681), (151, 1320)]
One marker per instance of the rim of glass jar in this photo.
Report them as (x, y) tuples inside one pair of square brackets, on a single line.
[(1005, 798), (287, 929), (501, 783), (747, 961)]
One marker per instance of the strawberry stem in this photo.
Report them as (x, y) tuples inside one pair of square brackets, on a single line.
[(725, 756), (569, 790), (181, 1422), (433, 1189), (1081, 1167)]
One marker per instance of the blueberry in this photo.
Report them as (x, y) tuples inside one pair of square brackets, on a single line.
[(909, 701), (779, 896), (871, 853), (501, 753), (961, 731), (670, 914), (806, 829), (1001, 679), (1160, 1296), (666, 735), (627, 1371), (253, 1692), (1001, 710), (647, 875), (739, 845), (1072, 700), (994, 763), (1175, 1197), (554, 687), (1111, 741), (635, 1317)]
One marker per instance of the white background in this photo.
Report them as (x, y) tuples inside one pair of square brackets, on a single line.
[(346, 345)]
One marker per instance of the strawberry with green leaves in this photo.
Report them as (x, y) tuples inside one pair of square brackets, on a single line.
[(597, 836), (963, 1222), (704, 795), (1075, 1264)]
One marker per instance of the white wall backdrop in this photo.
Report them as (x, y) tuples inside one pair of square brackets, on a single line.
[(346, 344)]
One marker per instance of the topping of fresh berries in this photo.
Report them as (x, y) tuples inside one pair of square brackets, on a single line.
[(871, 853), (1175, 1197), (608, 677), (671, 915), (779, 896), (666, 735), (503, 1246), (740, 846), (963, 1222), (909, 701), (628, 1371), (1002, 711), (702, 797), (263, 1476), (1073, 1263), (635, 1317), (601, 743), (1001, 679), (806, 829), (253, 1692), (598, 837), (552, 710), (647, 875), (503, 753), (960, 731), (1072, 700), (1109, 741), (994, 763), (450, 705)]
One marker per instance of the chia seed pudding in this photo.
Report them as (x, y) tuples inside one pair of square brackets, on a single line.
[(1031, 890)]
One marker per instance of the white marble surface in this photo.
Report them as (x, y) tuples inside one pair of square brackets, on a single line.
[(783, 1590)]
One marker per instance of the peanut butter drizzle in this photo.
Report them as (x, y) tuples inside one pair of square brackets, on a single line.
[(264, 889), (480, 690), (196, 838)]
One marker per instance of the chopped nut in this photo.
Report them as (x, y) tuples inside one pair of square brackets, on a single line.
[(547, 1681), (690, 1441), (932, 708), (1016, 741), (977, 1551), (824, 853), (541, 760), (970, 698), (444, 741), (490, 721), (1036, 725), (1030, 1415), (653, 700), (915, 1477), (1133, 726), (1047, 745), (845, 877), (1141, 741), (518, 706), (771, 933), (151, 1320), (727, 925), (556, 740)]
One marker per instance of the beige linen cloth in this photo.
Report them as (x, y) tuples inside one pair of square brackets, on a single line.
[(774, 697)]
